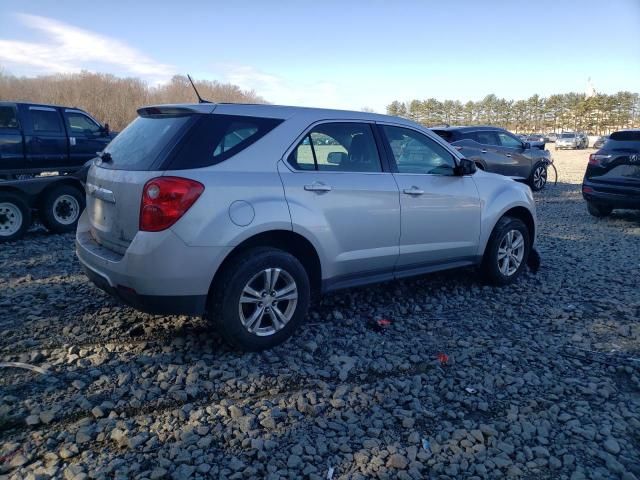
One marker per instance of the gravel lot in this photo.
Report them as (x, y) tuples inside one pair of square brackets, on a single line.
[(542, 379)]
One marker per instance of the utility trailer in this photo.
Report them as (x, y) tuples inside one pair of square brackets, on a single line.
[(56, 200)]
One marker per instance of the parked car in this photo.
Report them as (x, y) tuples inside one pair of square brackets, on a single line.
[(600, 141), (180, 221), (537, 138), (584, 140), (570, 140), (497, 150), (551, 137), (612, 178), (36, 138)]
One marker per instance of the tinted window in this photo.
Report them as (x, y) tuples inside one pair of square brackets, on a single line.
[(79, 123), (626, 136), (626, 140), (138, 147), (417, 153), (215, 138), (507, 140), (486, 137), (338, 147), (8, 118), (567, 135), (45, 120)]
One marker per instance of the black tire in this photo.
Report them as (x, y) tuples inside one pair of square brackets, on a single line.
[(61, 208), (535, 185), (599, 210), (490, 267), (224, 304), (15, 217)]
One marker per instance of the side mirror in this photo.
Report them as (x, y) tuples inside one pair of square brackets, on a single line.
[(526, 146), (336, 158), (106, 130), (465, 167)]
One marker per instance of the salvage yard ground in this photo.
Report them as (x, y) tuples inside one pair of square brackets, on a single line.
[(542, 379)]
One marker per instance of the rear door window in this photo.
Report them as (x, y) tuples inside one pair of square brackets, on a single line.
[(8, 117), (338, 147), (45, 120), (485, 137)]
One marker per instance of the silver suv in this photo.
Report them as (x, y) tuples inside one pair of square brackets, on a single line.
[(243, 211)]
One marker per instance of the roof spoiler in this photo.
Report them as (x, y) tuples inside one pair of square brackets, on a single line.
[(174, 110)]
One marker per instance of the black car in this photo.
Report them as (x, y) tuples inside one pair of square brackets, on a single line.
[(38, 138), (612, 179), (496, 150)]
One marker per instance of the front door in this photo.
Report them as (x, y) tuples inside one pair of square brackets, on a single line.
[(516, 163), (440, 211), (339, 195)]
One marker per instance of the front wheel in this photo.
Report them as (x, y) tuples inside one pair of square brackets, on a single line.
[(538, 178), (507, 251), (598, 210), (261, 297)]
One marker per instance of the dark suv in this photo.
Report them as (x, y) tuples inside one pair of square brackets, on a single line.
[(612, 179), (499, 151)]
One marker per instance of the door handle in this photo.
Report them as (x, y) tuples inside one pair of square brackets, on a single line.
[(508, 155), (317, 187), (413, 191), (483, 151)]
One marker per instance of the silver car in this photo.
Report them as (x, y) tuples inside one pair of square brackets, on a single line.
[(571, 140), (241, 212)]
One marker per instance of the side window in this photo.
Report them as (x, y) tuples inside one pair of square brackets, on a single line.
[(81, 124), (510, 141), (8, 118), (45, 120), (417, 153), (338, 147), (302, 157), (486, 137), (236, 133)]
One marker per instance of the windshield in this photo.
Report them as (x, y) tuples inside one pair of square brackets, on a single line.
[(141, 144), (567, 135)]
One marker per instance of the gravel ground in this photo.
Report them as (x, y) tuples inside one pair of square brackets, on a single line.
[(542, 378)]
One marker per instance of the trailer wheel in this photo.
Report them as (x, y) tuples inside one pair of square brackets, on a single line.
[(61, 208), (15, 217)]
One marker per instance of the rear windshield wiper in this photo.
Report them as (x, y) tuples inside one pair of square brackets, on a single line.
[(104, 156)]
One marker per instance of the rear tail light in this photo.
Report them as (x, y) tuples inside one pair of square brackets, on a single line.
[(165, 200), (597, 159), (586, 189)]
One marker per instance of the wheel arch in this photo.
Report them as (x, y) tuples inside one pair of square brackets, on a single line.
[(525, 216), (285, 240)]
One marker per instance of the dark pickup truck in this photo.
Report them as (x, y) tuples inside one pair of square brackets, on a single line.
[(46, 138)]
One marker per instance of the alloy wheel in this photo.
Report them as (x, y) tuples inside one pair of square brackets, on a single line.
[(268, 302), (511, 252), (540, 177)]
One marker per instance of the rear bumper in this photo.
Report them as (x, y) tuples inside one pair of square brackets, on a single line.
[(158, 273), (614, 196)]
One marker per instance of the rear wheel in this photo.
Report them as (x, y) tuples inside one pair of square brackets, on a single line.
[(538, 178), (15, 217), (507, 251), (61, 208), (261, 297), (599, 210)]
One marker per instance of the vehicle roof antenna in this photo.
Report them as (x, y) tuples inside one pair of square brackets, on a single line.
[(200, 99)]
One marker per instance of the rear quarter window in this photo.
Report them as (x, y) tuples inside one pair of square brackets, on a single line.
[(215, 138)]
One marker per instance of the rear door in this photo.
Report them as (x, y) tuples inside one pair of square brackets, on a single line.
[(483, 147), (440, 220), (338, 192), (86, 136), (514, 162), (46, 147), (617, 162), (11, 148)]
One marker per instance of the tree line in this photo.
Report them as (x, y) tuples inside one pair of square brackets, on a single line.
[(599, 114), (112, 99)]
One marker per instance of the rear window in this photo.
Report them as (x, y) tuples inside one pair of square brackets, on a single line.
[(145, 142), (567, 135), (444, 134), (626, 136), (215, 138)]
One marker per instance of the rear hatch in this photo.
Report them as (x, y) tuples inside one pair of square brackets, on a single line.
[(617, 163), (117, 178)]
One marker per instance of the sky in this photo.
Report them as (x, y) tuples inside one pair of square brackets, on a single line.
[(337, 53)]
